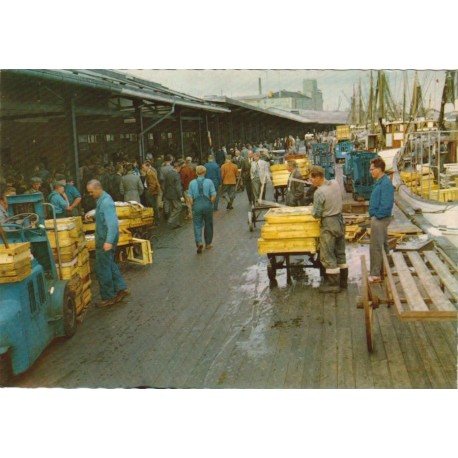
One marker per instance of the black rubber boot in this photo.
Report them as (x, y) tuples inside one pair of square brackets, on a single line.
[(344, 277), (331, 284)]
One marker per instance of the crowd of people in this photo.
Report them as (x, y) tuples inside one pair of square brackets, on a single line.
[(173, 186)]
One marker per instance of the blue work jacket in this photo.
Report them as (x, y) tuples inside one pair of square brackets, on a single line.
[(382, 198), (213, 173), (106, 221)]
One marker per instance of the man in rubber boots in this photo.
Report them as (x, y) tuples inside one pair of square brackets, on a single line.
[(327, 205)]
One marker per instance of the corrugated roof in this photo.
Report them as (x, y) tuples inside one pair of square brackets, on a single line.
[(124, 85), (280, 113), (317, 117)]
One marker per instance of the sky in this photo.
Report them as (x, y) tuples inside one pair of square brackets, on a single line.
[(336, 85)]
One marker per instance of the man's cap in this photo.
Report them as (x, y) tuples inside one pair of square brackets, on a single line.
[(59, 183), (35, 180), (189, 159)]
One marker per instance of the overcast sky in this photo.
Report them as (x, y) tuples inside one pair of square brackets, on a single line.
[(335, 84)]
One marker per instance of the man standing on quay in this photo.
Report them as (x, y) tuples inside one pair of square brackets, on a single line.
[(327, 206), (113, 288), (229, 174), (380, 210)]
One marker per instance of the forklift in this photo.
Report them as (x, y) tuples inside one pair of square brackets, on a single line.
[(39, 307)]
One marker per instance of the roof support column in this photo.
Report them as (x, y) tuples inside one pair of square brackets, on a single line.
[(140, 130), (200, 140), (75, 144), (181, 132)]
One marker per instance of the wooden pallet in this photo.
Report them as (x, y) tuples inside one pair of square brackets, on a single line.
[(422, 285)]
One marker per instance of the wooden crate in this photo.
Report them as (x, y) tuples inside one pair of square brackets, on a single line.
[(10, 254), (444, 195), (84, 270), (303, 245), (64, 224), (69, 269), (290, 230), (290, 215), (140, 252), (67, 253)]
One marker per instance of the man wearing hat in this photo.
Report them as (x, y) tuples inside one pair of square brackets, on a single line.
[(59, 200), (35, 185)]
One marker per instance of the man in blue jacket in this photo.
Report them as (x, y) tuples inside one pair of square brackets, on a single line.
[(112, 285), (380, 210), (213, 172)]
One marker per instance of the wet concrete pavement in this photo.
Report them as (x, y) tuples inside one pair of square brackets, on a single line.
[(211, 321)]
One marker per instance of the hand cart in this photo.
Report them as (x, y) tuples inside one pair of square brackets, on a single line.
[(254, 215), (294, 267), (422, 285)]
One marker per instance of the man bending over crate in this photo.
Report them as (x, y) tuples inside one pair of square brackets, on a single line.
[(113, 288)]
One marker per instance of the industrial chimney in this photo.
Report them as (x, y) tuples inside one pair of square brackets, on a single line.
[(260, 86)]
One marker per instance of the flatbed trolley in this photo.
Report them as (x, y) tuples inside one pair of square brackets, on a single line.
[(256, 212), (422, 285), (294, 267)]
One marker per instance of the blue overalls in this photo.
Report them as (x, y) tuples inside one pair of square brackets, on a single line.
[(107, 230), (202, 216)]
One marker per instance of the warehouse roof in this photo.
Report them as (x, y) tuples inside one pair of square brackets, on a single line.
[(239, 104), (124, 85), (316, 117)]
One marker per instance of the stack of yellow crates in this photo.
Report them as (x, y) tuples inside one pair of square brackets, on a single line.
[(15, 262), (74, 253), (420, 181), (280, 172), (289, 230)]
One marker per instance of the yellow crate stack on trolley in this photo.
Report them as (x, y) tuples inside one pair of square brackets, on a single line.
[(280, 172), (289, 230), (133, 219), (74, 254)]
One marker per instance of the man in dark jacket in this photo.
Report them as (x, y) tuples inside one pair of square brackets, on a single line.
[(173, 195)]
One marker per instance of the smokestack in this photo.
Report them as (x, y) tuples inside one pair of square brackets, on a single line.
[(260, 86)]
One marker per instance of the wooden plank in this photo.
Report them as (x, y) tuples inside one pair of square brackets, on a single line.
[(345, 374), (434, 370), (413, 361), (446, 277), (328, 371), (432, 289), (413, 296), (446, 356), (391, 288), (396, 363), (313, 353)]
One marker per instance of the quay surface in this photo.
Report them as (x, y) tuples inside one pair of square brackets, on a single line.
[(211, 321)]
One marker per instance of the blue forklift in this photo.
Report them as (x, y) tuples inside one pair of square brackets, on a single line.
[(40, 307), (323, 157), (356, 175), (342, 149)]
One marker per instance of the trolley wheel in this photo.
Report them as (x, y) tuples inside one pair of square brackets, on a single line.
[(250, 221), (367, 305)]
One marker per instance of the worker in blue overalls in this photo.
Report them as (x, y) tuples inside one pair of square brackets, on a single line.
[(113, 288), (201, 196)]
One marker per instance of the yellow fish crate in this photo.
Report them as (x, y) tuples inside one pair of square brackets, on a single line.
[(290, 215), (444, 195), (64, 224), (290, 230), (302, 245), (15, 262), (68, 269)]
